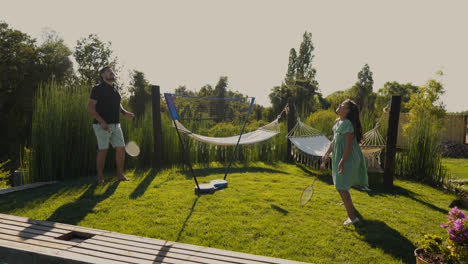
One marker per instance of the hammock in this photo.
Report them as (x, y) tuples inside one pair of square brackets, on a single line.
[(308, 139), (309, 144), (372, 145), (259, 135)]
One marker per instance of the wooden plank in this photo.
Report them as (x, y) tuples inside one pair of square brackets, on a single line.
[(246, 256), (89, 259), (17, 252), (25, 187), (173, 254), (149, 241), (29, 247), (52, 224), (149, 256), (6, 238), (126, 246), (27, 236), (147, 248), (111, 256), (176, 245), (31, 229)]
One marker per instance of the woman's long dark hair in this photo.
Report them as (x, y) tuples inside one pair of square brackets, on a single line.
[(353, 116)]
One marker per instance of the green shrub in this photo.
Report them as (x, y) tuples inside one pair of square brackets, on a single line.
[(422, 161), (4, 174), (431, 243), (367, 120), (323, 121)]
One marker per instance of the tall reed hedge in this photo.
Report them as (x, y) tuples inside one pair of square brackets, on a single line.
[(62, 141), (63, 144), (422, 161)]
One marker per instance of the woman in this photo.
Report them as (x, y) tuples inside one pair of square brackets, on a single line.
[(348, 165)]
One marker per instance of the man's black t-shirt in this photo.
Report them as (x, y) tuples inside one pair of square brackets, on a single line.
[(108, 102)]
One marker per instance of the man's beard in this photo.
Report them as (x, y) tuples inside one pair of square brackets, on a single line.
[(110, 79)]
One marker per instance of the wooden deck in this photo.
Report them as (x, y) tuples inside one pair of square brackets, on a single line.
[(24, 240), (25, 187)]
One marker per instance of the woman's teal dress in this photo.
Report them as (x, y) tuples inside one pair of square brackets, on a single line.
[(355, 170)]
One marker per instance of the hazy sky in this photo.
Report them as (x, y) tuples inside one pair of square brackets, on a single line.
[(193, 43)]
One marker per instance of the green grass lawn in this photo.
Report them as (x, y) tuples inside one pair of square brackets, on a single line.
[(458, 168), (258, 213)]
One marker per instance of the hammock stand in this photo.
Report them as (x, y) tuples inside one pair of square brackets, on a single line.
[(259, 135)]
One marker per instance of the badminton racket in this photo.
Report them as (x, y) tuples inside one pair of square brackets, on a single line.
[(308, 191), (131, 147)]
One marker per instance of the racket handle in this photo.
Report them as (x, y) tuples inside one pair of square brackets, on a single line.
[(323, 165)]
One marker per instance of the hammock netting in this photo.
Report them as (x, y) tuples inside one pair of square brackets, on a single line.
[(259, 135), (201, 116), (309, 145)]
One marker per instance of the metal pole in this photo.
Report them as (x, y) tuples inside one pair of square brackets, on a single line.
[(187, 155), (242, 131)]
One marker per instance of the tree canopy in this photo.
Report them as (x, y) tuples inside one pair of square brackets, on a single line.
[(91, 54)]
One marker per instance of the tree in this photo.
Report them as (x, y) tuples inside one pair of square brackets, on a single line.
[(395, 88), (427, 100), (304, 69), (183, 90), (360, 92), (292, 66), (206, 91), (300, 82), (92, 54), (336, 98), (54, 57), (139, 97), (19, 79), (279, 97), (220, 92)]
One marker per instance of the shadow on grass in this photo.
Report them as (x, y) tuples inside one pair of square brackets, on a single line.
[(381, 190), (144, 184), (70, 213), (203, 172), (323, 176), (74, 212), (279, 209), (379, 235), (21, 199), (186, 219)]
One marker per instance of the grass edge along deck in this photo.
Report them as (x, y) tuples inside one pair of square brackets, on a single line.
[(24, 240)]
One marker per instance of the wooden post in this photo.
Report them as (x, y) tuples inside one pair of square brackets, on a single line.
[(291, 123), (464, 129), (392, 135), (157, 128)]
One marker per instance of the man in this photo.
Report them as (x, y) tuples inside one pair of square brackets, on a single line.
[(104, 105)]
